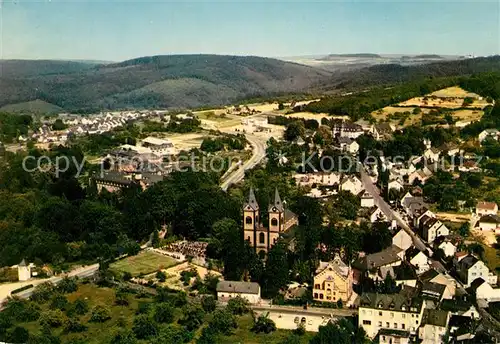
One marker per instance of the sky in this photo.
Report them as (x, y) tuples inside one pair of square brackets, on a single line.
[(120, 29)]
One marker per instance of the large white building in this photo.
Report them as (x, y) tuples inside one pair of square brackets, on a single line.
[(401, 312), (227, 290), (434, 326), (159, 146)]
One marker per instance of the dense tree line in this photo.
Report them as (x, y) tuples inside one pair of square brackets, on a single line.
[(223, 142), (14, 125)]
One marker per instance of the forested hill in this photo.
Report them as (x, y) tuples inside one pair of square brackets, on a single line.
[(394, 74), (152, 82)]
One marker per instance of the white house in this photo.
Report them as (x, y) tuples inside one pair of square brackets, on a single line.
[(484, 291), (395, 185), (469, 268), (418, 259), (434, 326), (367, 200), (321, 178), (489, 223), (486, 208), (23, 271), (432, 154), (448, 248), (489, 133), (346, 144), (433, 228), (377, 215), (402, 240), (231, 289), (352, 184)]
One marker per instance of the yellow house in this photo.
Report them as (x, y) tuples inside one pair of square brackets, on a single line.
[(333, 281)]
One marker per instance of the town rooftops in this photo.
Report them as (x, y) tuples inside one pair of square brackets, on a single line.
[(433, 290), (336, 264), (396, 302), (477, 283), (238, 287), (486, 205), (490, 219), (394, 333), (114, 177), (345, 140), (435, 317), (376, 260), (428, 275), (156, 141)]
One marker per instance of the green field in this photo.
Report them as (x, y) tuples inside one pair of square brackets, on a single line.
[(144, 263), (243, 334)]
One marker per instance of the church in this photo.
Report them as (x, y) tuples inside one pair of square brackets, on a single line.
[(280, 221)]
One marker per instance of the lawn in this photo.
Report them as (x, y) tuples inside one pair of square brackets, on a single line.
[(97, 333), (144, 263), (243, 334)]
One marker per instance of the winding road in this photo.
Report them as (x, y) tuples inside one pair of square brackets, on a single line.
[(259, 152)]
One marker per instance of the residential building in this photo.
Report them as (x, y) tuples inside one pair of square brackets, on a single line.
[(448, 248), (376, 215), (484, 291), (420, 176), (431, 228), (432, 154), (349, 129), (434, 326), (489, 133), (159, 146), (402, 240), (434, 291), (391, 256), (435, 277), (280, 221), (319, 178), (486, 208), (367, 200), (395, 185), (418, 259), (352, 184), (388, 336), (333, 281), (347, 144), (382, 131), (402, 311), (489, 223), (470, 268), (227, 290)]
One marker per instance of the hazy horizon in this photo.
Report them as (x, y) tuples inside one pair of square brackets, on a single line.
[(117, 31)]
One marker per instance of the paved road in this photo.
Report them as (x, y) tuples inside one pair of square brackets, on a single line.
[(259, 152), (392, 215), (334, 312), (84, 272)]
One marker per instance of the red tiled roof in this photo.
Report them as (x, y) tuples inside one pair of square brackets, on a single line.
[(486, 205)]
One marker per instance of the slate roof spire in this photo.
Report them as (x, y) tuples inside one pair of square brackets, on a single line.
[(252, 201), (278, 204)]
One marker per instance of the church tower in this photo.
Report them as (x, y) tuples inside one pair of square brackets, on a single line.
[(276, 218), (251, 218)]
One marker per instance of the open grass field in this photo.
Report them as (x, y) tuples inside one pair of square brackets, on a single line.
[(96, 333), (243, 335), (450, 98), (453, 91), (145, 262)]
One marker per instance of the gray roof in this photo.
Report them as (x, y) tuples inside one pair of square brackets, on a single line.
[(490, 219), (396, 302), (433, 289), (238, 287), (376, 260), (23, 263), (252, 201), (277, 202)]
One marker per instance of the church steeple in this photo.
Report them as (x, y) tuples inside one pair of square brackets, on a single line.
[(252, 201), (277, 205)]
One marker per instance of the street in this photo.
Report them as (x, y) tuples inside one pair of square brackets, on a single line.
[(259, 152)]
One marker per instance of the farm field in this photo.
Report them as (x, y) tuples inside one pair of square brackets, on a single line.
[(453, 91), (145, 262)]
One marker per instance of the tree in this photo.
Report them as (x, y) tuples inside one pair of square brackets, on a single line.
[(276, 274), (67, 285), (340, 304), (59, 302), (59, 125), (124, 336), (208, 303), (264, 324), (80, 306), (164, 313), (43, 292), (161, 276), (143, 327), (52, 318), (18, 335), (72, 325), (193, 317), (464, 229), (344, 331), (294, 130), (223, 321), (100, 314), (281, 106), (172, 334), (238, 306)]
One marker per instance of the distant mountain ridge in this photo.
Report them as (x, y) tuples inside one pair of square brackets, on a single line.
[(153, 81)]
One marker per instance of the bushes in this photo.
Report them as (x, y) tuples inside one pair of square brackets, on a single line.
[(208, 303), (43, 292), (67, 285), (164, 313), (237, 306), (100, 314), (52, 318), (223, 322), (264, 324), (80, 306), (74, 326), (144, 328), (18, 290)]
